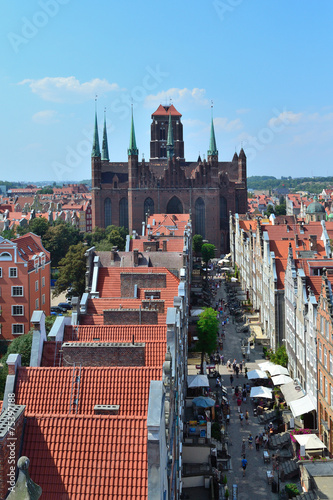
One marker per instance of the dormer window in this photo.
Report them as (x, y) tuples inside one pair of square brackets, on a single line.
[(5, 256)]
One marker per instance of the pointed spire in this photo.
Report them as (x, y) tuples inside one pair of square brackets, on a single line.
[(170, 143), (132, 150), (96, 152), (212, 143), (105, 147)]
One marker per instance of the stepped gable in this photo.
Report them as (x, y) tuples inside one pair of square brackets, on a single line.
[(85, 457), (126, 387)]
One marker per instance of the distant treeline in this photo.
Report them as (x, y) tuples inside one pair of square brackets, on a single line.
[(311, 184)]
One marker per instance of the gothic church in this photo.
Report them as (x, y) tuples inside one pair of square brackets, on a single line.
[(124, 192)]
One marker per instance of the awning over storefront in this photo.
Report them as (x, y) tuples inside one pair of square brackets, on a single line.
[(310, 441), (291, 392), (254, 374), (197, 381), (301, 406)]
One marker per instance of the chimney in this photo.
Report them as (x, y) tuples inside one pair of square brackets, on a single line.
[(38, 338), (106, 409), (313, 242), (136, 257)]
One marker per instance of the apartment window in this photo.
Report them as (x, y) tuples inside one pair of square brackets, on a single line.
[(326, 389), (17, 328), (331, 395), (327, 330), (325, 357), (17, 310), (331, 364), (43, 298), (36, 286), (17, 291), (43, 281), (37, 304), (0, 272), (321, 382), (13, 272)]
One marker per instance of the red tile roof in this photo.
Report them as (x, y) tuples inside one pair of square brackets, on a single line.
[(127, 387), (166, 110), (116, 333), (81, 457), (29, 246)]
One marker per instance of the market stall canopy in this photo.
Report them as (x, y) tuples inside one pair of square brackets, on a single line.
[(277, 370), (281, 379), (265, 365), (196, 312), (253, 374), (261, 392), (234, 279), (197, 381), (291, 392), (310, 441), (301, 406), (202, 402)]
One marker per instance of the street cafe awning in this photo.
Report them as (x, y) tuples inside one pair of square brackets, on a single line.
[(301, 406), (310, 441), (197, 381), (291, 392), (261, 392), (255, 374)]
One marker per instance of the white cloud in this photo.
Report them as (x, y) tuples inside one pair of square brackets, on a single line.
[(178, 96), (63, 89), (193, 122), (243, 111), (285, 118), (222, 124), (45, 117)]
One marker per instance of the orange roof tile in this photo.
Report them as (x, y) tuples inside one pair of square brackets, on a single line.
[(127, 387), (82, 457), (166, 111), (116, 333)]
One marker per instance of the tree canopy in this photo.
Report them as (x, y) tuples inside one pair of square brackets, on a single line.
[(207, 252), (59, 238), (207, 330), (21, 345), (279, 357), (105, 239), (197, 243), (72, 269)]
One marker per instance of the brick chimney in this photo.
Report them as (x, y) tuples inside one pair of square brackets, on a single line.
[(313, 242), (106, 409), (136, 257)]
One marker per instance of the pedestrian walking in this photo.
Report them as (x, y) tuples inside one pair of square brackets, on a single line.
[(244, 464), (247, 417), (250, 441), (241, 418), (237, 370), (257, 442), (231, 379), (239, 403), (245, 372)]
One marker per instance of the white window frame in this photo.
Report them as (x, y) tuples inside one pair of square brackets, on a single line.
[(16, 313), (15, 326), (10, 272), (37, 304), (17, 294)]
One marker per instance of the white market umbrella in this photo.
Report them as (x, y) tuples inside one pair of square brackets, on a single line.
[(277, 370), (281, 379), (254, 374), (265, 365), (261, 392), (234, 279)]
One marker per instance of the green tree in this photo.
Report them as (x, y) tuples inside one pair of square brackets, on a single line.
[(45, 190), (59, 238), (49, 320), (207, 330), (280, 209), (9, 234), (270, 210), (72, 269), (197, 243), (279, 357), (116, 236), (207, 252), (39, 226), (21, 345)]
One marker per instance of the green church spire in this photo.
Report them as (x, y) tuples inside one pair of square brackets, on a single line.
[(212, 143), (132, 150), (105, 147), (170, 143), (96, 152)]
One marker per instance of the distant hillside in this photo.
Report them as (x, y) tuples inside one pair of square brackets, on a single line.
[(311, 184)]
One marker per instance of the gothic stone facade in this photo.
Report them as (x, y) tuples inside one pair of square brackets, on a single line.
[(123, 193)]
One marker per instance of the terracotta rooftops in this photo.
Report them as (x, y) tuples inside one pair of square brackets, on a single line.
[(166, 111), (116, 333), (29, 246), (126, 387), (83, 457)]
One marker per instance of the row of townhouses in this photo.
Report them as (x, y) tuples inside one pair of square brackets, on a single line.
[(285, 266)]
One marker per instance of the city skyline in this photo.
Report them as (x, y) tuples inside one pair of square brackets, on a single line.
[(264, 66)]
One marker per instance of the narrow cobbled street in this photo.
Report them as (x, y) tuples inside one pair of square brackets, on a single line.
[(254, 485)]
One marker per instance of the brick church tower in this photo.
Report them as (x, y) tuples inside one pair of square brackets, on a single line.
[(122, 193)]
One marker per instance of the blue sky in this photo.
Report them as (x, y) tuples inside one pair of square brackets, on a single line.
[(265, 64)]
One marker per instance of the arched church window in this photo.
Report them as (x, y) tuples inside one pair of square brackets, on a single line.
[(148, 207), (174, 206), (200, 217)]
